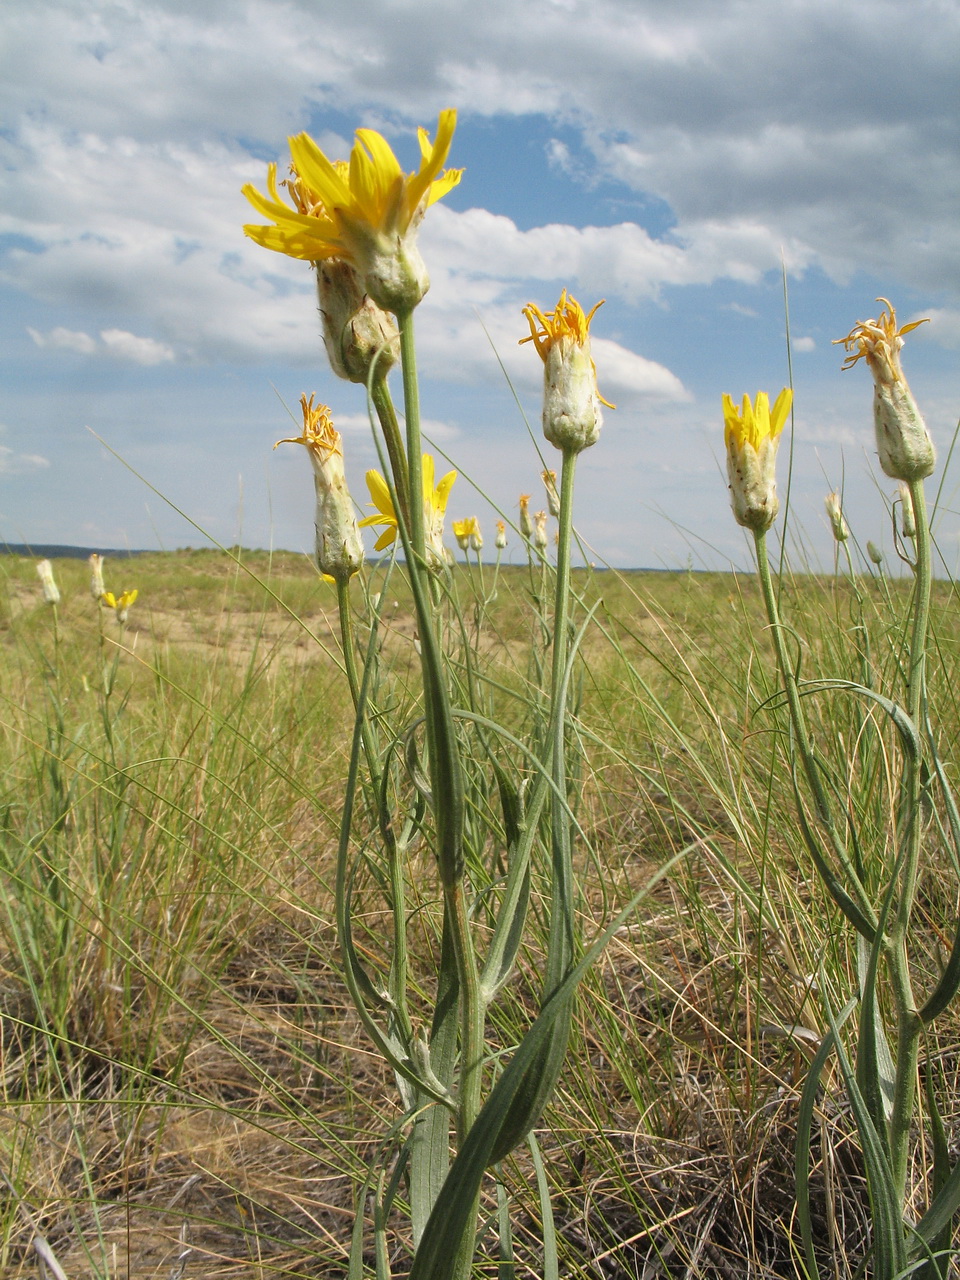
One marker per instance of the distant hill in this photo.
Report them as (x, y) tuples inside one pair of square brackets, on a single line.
[(53, 551)]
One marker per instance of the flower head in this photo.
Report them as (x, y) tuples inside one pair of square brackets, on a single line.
[(540, 531), (553, 497), (571, 400), (434, 509), (501, 539), (752, 434), (339, 549), (526, 526), (120, 604), (366, 211), (51, 592), (464, 530), (904, 446), (96, 575)]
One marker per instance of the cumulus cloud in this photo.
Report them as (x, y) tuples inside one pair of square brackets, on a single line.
[(13, 463), (113, 342)]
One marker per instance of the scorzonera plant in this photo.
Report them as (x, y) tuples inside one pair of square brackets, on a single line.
[(871, 870), (437, 786)]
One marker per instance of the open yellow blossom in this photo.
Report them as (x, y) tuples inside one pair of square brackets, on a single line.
[(571, 401), (120, 604), (339, 549), (365, 212), (434, 508), (752, 434), (904, 446)]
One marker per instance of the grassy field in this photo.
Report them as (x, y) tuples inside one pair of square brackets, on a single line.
[(186, 1090)]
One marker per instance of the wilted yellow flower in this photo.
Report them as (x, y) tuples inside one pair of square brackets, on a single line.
[(96, 575), (553, 498), (904, 446), (366, 212), (120, 604), (841, 530), (526, 527), (571, 401), (51, 592), (752, 434), (434, 508), (339, 547)]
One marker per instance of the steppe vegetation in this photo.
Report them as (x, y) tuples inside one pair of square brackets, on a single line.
[(186, 1088)]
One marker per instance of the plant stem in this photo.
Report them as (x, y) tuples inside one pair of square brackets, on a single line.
[(387, 414), (909, 1026)]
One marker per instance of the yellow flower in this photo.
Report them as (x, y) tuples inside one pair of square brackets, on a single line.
[(571, 400), (467, 533), (904, 446), (120, 604), (366, 212), (339, 549), (434, 508), (752, 434)]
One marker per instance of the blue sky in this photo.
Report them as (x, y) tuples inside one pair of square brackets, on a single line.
[(664, 157)]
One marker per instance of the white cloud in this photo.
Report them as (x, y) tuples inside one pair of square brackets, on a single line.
[(60, 339), (944, 327), (804, 344), (127, 346), (117, 343), (13, 463)]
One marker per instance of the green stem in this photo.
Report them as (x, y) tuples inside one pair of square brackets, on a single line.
[(801, 737), (909, 1026), (387, 414), (411, 412), (561, 950)]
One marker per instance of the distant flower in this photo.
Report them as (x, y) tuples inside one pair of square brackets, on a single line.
[(540, 531), (841, 530), (904, 446), (51, 592), (339, 548), (366, 212), (434, 508), (874, 552), (96, 575), (120, 604), (501, 539), (571, 402), (526, 526), (553, 498), (752, 434)]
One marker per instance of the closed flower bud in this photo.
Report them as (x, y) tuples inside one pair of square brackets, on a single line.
[(908, 524), (339, 548), (904, 446), (571, 402), (540, 531), (355, 330), (526, 525), (51, 592), (501, 539), (96, 576), (874, 552), (841, 530), (752, 435)]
